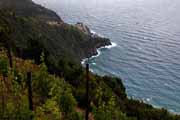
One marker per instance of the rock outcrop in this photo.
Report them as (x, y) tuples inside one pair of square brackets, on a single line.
[(82, 27), (35, 26)]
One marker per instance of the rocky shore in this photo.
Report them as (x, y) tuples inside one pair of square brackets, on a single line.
[(95, 41), (59, 38)]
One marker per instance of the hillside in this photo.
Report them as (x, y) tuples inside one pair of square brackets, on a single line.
[(41, 43), (63, 98), (33, 24), (28, 8)]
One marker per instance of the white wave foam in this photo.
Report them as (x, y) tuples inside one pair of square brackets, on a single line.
[(83, 61), (93, 63), (92, 70), (94, 56), (98, 54), (96, 34), (113, 44), (92, 32), (148, 99)]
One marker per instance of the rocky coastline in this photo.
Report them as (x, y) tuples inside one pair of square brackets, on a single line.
[(95, 41), (59, 38)]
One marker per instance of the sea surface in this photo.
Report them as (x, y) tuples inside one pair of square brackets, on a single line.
[(146, 36)]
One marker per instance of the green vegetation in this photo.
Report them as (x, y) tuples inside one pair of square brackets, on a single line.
[(52, 96), (31, 35), (58, 79), (63, 98)]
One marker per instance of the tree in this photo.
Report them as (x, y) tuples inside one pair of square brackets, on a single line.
[(42, 82), (5, 36), (3, 64)]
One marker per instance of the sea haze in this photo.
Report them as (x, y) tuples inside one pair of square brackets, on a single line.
[(147, 34)]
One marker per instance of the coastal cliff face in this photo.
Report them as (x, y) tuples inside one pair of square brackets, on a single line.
[(35, 25), (90, 47)]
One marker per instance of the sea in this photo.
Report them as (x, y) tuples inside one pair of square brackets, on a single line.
[(146, 44)]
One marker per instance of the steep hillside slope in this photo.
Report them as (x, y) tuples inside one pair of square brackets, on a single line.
[(33, 25)]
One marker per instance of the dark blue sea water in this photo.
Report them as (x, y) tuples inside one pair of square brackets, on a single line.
[(147, 34)]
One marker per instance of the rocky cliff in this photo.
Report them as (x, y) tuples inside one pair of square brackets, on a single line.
[(35, 26)]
